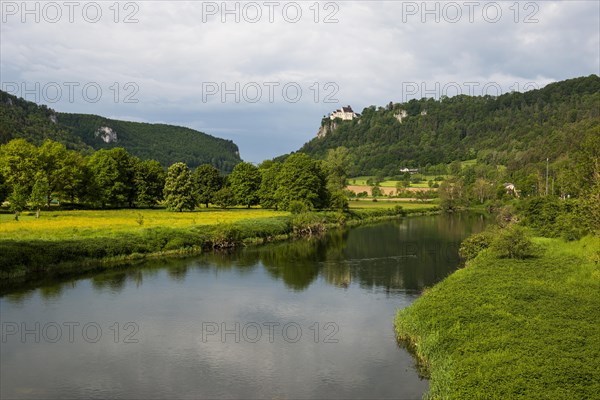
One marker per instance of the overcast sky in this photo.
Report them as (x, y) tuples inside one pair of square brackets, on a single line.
[(266, 80)]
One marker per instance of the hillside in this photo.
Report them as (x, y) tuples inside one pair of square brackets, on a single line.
[(514, 129), (165, 143), (20, 118)]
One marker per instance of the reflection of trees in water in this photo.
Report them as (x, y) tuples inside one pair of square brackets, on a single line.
[(399, 255), (295, 263)]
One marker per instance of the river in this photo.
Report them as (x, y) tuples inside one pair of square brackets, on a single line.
[(312, 318)]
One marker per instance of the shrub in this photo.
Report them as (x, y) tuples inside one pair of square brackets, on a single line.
[(474, 244), (226, 236), (513, 242), (297, 207)]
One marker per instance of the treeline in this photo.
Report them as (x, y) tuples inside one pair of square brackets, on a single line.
[(514, 129), (555, 199), (32, 176)]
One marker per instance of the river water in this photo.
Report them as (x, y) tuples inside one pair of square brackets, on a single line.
[(303, 319)]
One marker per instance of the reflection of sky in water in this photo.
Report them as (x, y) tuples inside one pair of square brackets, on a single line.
[(170, 300)]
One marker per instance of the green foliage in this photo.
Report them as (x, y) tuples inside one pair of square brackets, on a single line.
[(452, 194), (337, 165), (553, 217), (39, 192), (376, 191), (307, 224), (268, 184), (301, 178), (22, 119), (514, 129), (513, 242), (19, 163), (167, 144), (298, 206), (149, 182), (208, 181), (474, 244), (179, 188), (245, 183), (114, 173), (18, 199), (224, 197)]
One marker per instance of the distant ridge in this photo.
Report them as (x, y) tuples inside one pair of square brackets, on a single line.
[(167, 144), (511, 128)]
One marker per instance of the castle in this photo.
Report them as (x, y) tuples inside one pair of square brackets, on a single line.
[(345, 114)]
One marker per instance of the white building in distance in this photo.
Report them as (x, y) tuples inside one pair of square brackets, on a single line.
[(345, 114)]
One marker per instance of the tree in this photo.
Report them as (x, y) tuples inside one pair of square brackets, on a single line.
[(208, 181), (52, 158), (114, 176), (455, 167), (268, 183), (19, 163), (452, 194), (149, 182), (337, 165), (39, 193), (376, 191), (301, 178), (245, 183), (104, 175), (483, 190), (75, 177), (179, 188), (18, 199), (224, 197), (3, 189)]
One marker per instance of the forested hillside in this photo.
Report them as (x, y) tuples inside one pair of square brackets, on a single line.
[(24, 119), (167, 144), (514, 129)]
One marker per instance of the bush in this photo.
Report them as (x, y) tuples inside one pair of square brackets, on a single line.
[(226, 236), (474, 244), (513, 242), (297, 207)]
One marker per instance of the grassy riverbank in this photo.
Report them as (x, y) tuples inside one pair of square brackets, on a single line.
[(505, 328), (64, 242)]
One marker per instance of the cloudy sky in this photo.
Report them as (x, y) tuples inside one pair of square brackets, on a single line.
[(264, 73)]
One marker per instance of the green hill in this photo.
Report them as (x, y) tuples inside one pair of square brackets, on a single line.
[(20, 118), (165, 143), (512, 129)]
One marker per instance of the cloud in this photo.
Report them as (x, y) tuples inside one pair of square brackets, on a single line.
[(176, 51)]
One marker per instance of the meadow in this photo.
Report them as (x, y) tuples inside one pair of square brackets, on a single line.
[(57, 225), (73, 242), (505, 328)]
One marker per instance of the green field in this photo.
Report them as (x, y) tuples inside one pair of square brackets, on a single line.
[(362, 181), (369, 204), (504, 328), (56, 225)]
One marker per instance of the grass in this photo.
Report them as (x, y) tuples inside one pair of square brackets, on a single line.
[(57, 225), (503, 328), (362, 181), (71, 242)]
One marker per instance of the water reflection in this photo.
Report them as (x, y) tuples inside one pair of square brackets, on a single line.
[(353, 280), (405, 255)]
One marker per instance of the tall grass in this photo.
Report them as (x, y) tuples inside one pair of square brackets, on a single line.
[(505, 328)]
